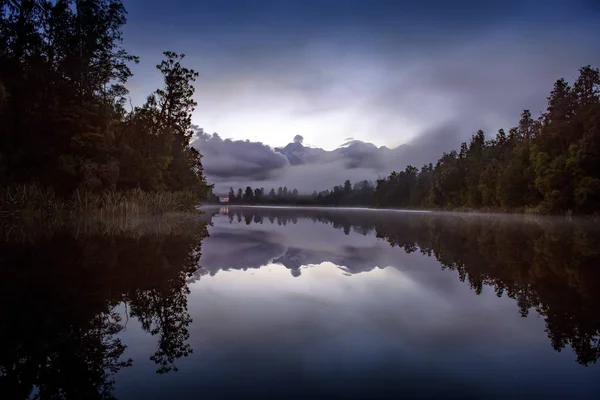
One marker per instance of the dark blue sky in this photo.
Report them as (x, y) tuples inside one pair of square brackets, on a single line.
[(376, 70)]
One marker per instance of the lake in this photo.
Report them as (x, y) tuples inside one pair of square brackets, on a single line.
[(302, 303)]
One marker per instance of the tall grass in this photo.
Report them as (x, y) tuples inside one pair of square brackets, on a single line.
[(30, 201), (37, 202), (32, 231)]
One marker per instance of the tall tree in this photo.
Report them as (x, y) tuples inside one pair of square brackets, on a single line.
[(248, 195), (63, 75)]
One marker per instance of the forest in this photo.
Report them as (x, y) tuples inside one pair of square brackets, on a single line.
[(67, 125), (550, 164)]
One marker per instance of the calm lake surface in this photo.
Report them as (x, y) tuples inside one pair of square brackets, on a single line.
[(283, 303)]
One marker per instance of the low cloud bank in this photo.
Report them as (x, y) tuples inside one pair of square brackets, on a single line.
[(236, 163)]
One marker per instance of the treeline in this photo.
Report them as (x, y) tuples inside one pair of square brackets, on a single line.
[(359, 193), (65, 119), (550, 164)]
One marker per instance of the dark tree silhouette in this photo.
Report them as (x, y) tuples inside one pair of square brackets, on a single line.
[(63, 76), (361, 193), (59, 292)]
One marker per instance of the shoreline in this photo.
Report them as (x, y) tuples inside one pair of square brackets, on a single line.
[(460, 211)]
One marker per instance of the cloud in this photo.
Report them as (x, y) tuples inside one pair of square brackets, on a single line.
[(230, 160), (243, 163), (376, 71), (305, 178), (253, 238), (422, 86), (238, 164), (238, 249)]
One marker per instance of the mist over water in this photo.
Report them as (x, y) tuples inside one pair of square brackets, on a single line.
[(304, 303)]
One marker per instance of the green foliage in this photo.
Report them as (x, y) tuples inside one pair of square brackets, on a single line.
[(63, 73), (550, 165)]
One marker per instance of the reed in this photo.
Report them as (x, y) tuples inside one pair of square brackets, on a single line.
[(36, 202), (31, 201), (82, 227)]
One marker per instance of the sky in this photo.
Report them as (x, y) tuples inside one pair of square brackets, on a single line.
[(381, 71)]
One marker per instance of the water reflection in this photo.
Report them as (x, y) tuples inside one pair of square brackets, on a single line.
[(546, 265), (60, 289), (301, 303)]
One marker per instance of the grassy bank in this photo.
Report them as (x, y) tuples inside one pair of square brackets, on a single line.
[(36, 202), (34, 230)]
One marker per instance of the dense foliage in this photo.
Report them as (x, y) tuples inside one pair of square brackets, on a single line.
[(361, 193), (63, 112), (551, 164)]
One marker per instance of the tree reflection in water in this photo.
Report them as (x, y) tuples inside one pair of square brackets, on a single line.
[(546, 264), (60, 288), (59, 291)]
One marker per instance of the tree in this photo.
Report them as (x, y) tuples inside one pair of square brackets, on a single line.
[(550, 164), (63, 75), (347, 187), (526, 125), (560, 103), (248, 195), (156, 152), (587, 87), (168, 115)]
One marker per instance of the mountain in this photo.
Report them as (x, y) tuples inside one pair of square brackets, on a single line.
[(356, 154), (298, 154), (353, 154)]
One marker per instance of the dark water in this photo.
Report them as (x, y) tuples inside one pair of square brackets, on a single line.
[(304, 303)]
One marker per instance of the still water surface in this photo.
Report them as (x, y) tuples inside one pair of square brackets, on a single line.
[(304, 303)]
